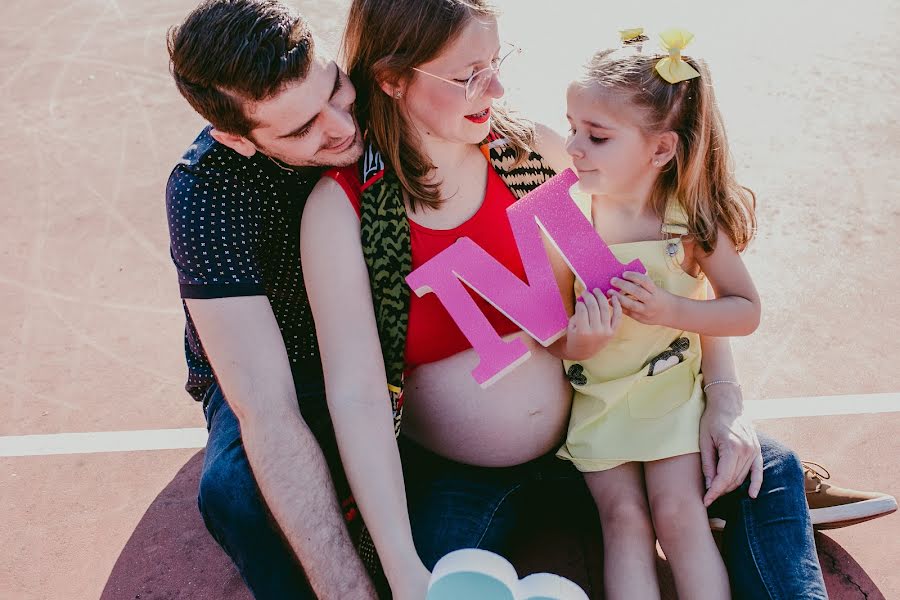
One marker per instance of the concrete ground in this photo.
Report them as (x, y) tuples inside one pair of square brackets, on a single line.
[(92, 321)]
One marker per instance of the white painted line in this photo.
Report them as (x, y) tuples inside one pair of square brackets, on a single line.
[(821, 406), (179, 439), (103, 441)]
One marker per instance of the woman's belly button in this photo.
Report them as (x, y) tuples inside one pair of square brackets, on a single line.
[(521, 416)]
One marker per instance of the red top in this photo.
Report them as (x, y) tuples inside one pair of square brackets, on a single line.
[(431, 333)]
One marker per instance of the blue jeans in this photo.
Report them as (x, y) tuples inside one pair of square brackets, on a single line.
[(768, 542), (235, 514)]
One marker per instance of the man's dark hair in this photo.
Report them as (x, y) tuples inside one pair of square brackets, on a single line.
[(230, 52)]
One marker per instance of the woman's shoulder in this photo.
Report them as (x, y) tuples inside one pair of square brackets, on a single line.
[(336, 180), (550, 144), (329, 219)]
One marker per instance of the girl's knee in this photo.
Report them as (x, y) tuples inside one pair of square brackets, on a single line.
[(626, 513), (675, 515)]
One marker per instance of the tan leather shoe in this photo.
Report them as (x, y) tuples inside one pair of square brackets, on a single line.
[(832, 507)]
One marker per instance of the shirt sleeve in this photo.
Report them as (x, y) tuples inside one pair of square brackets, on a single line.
[(214, 234)]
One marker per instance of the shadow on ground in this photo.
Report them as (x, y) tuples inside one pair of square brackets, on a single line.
[(170, 555)]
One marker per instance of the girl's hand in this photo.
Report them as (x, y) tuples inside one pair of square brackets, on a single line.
[(594, 323), (642, 300)]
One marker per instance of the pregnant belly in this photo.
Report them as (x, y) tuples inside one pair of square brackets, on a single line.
[(519, 418)]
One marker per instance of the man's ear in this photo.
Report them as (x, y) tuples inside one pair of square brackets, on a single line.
[(238, 143), (666, 144)]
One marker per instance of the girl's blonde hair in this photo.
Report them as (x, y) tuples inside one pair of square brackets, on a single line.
[(383, 41), (700, 175)]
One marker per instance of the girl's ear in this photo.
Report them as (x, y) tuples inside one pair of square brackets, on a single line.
[(666, 144)]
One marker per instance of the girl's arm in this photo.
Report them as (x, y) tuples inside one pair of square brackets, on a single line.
[(337, 283), (734, 311)]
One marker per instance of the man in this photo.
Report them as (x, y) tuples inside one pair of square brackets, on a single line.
[(234, 204), (278, 112)]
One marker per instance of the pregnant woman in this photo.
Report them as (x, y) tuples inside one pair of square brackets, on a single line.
[(444, 161)]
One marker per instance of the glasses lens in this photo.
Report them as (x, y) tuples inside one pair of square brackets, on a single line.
[(479, 83)]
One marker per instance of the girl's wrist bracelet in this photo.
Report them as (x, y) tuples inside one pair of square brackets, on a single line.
[(718, 381)]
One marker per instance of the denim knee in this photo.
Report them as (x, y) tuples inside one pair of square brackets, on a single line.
[(781, 466), (228, 498)]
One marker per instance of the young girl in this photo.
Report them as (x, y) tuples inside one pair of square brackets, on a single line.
[(648, 144)]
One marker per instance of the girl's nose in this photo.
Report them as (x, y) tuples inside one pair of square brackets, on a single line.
[(573, 147)]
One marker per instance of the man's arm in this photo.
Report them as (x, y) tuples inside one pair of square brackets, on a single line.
[(244, 345)]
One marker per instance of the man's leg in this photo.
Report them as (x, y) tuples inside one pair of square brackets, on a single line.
[(769, 546), (236, 516)]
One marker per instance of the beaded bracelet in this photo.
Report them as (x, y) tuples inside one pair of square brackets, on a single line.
[(718, 381)]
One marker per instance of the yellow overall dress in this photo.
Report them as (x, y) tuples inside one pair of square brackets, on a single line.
[(641, 397)]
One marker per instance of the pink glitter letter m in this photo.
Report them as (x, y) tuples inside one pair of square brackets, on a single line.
[(536, 307)]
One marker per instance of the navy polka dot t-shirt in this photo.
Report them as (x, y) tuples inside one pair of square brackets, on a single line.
[(234, 230)]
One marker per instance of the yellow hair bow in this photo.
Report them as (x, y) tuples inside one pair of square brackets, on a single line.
[(629, 34), (672, 68)]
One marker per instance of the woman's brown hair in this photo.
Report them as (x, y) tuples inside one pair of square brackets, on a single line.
[(383, 41), (700, 175)]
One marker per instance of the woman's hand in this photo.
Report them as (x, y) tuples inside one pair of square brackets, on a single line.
[(414, 583), (729, 447), (642, 300), (593, 325)]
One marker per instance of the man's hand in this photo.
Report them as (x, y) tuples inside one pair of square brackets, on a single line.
[(729, 448), (594, 323), (642, 300)]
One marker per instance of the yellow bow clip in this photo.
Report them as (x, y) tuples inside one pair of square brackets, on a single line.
[(672, 68), (629, 34)]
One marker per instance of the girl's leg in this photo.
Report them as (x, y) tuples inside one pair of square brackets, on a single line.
[(675, 491), (629, 556)]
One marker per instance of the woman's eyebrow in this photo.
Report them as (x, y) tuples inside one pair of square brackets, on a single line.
[(479, 61)]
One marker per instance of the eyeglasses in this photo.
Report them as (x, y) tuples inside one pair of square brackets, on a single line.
[(477, 84)]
